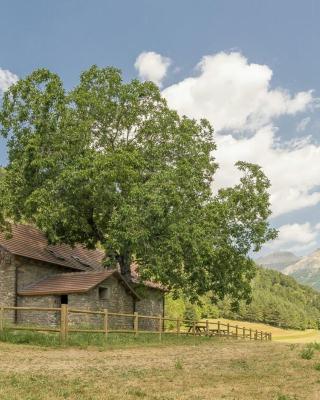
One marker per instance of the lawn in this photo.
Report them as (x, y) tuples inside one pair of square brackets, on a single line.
[(203, 369)]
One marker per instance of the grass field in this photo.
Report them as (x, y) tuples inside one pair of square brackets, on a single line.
[(214, 369), (35, 367)]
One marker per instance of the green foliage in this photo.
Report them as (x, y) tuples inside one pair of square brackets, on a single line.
[(277, 300), (109, 164), (317, 367), (190, 313), (316, 346), (307, 353)]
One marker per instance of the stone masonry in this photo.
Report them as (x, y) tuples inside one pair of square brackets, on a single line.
[(18, 272)]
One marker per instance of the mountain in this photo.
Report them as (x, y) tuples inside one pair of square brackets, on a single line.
[(306, 270), (278, 260)]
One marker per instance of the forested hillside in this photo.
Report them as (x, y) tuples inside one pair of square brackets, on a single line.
[(277, 300)]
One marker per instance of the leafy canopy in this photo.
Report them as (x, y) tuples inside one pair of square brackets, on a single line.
[(109, 164)]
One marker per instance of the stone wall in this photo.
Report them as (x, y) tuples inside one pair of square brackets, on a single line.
[(85, 301), (18, 272), (151, 303), (39, 318), (118, 300), (32, 271), (7, 283)]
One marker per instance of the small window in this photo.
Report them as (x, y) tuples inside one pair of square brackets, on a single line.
[(103, 293), (64, 299)]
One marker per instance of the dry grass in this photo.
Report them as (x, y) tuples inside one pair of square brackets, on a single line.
[(219, 369)]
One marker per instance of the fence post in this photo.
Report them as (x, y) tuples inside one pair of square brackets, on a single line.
[(261, 335), (160, 327), (1, 319), (178, 326), (193, 328), (256, 335), (250, 334), (207, 327), (244, 332), (228, 329), (237, 331), (270, 336), (218, 328), (105, 323), (136, 323), (63, 323)]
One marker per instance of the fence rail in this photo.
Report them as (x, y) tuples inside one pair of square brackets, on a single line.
[(177, 327)]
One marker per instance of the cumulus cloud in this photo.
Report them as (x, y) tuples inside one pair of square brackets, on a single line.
[(237, 96), (293, 168), (295, 237), (152, 66), (234, 94), (7, 78)]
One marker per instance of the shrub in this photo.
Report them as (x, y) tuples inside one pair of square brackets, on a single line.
[(307, 353), (316, 346)]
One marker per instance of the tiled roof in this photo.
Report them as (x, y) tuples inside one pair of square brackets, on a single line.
[(30, 242), (73, 282)]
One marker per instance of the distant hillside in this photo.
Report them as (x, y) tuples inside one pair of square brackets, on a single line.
[(278, 260), (278, 300), (306, 270)]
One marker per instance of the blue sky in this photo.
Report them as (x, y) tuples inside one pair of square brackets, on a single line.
[(276, 119)]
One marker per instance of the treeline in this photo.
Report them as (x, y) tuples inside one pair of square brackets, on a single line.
[(277, 300)]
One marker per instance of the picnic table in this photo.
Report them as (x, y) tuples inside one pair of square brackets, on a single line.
[(201, 330)]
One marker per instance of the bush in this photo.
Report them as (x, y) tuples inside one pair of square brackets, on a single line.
[(316, 346), (307, 353)]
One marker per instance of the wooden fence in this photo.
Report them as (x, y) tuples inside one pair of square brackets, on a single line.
[(175, 326)]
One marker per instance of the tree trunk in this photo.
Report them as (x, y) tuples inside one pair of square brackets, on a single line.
[(124, 261)]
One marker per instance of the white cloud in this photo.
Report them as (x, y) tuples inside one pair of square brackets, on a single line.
[(7, 78), (237, 96), (293, 168), (234, 94), (152, 66), (295, 238), (302, 125)]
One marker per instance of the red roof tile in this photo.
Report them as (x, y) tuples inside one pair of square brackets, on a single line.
[(30, 242), (67, 283)]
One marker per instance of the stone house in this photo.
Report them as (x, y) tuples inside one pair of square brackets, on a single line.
[(36, 274)]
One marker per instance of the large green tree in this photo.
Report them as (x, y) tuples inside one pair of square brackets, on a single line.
[(110, 163)]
